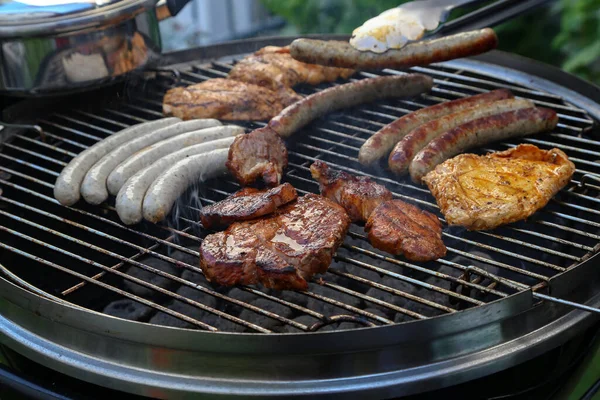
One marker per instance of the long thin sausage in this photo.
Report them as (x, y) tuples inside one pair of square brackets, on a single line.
[(342, 54), (381, 143), (130, 198), (347, 95), (171, 184), (480, 132), (68, 183), (417, 139), (147, 156), (93, 188)]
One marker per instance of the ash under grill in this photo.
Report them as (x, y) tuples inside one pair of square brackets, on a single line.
[(149, 273)]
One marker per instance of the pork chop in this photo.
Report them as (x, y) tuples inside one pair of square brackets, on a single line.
[(274, 68), (227, 99), (401, 228), (281, 251), (358, 195), (484, 192), (259, 154), (246, 204)]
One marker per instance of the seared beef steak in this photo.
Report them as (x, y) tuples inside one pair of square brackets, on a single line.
[(401, 228), (246, 204), (259, 154), (281, 251), (359, 195)]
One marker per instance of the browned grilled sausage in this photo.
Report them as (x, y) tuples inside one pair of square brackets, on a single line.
[(480, 132), (381, 143), (350, 94), (342, 54), (412, 143)]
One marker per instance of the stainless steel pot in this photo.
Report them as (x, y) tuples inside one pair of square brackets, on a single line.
[(50, 47)]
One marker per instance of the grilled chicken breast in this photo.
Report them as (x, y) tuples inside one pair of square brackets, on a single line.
[(282, 251), (246, 204), (226, 99), (401, 228), (259, 154), (274, 68), (358, 195), (484, 192)]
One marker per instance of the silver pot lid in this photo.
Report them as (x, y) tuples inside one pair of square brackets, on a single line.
[(22, 18)]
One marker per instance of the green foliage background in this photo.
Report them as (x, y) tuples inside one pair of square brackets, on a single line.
[(566, 33)]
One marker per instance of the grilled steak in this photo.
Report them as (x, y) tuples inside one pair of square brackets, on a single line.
[(358, 195), (246, 204), (401, 228), (274, 68), (259, 154), (227, 99), (281, 251)]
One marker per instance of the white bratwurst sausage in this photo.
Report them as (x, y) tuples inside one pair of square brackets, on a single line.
[(147, 156), (131, 196), (93, 188), (68, 184), (162, 194)]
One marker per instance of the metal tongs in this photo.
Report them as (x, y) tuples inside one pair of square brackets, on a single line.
[(416, 19)]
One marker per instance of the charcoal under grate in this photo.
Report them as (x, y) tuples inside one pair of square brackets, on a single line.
[(85, 257)]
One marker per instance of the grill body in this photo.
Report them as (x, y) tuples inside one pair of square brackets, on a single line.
[(469, 328)]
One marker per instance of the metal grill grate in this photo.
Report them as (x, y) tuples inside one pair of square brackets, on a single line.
[(86, 257)]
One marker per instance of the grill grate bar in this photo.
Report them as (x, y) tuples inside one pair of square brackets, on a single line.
[(100, 118), (122, 114), (65, 140), (498, 264), (39, 142), (437, 274), (21, 175), (346, 306), (486, 260), (394, 291), (531, 246), (78, 122), (147, 111), (408, 279), (377, 301), (431, 71), (569, 229), (508, 253), (72, 130), (27, 164), (35, 154)]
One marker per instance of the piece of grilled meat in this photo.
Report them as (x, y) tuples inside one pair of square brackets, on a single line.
[(281, 251), (226, 99), (401, 228), (246, 204), (483, 192), (358, 195), (259, 154), (274, 68)]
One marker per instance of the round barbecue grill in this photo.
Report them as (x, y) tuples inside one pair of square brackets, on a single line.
[(128, 307)]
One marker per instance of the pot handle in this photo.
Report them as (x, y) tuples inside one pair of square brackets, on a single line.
[(169, 8)]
